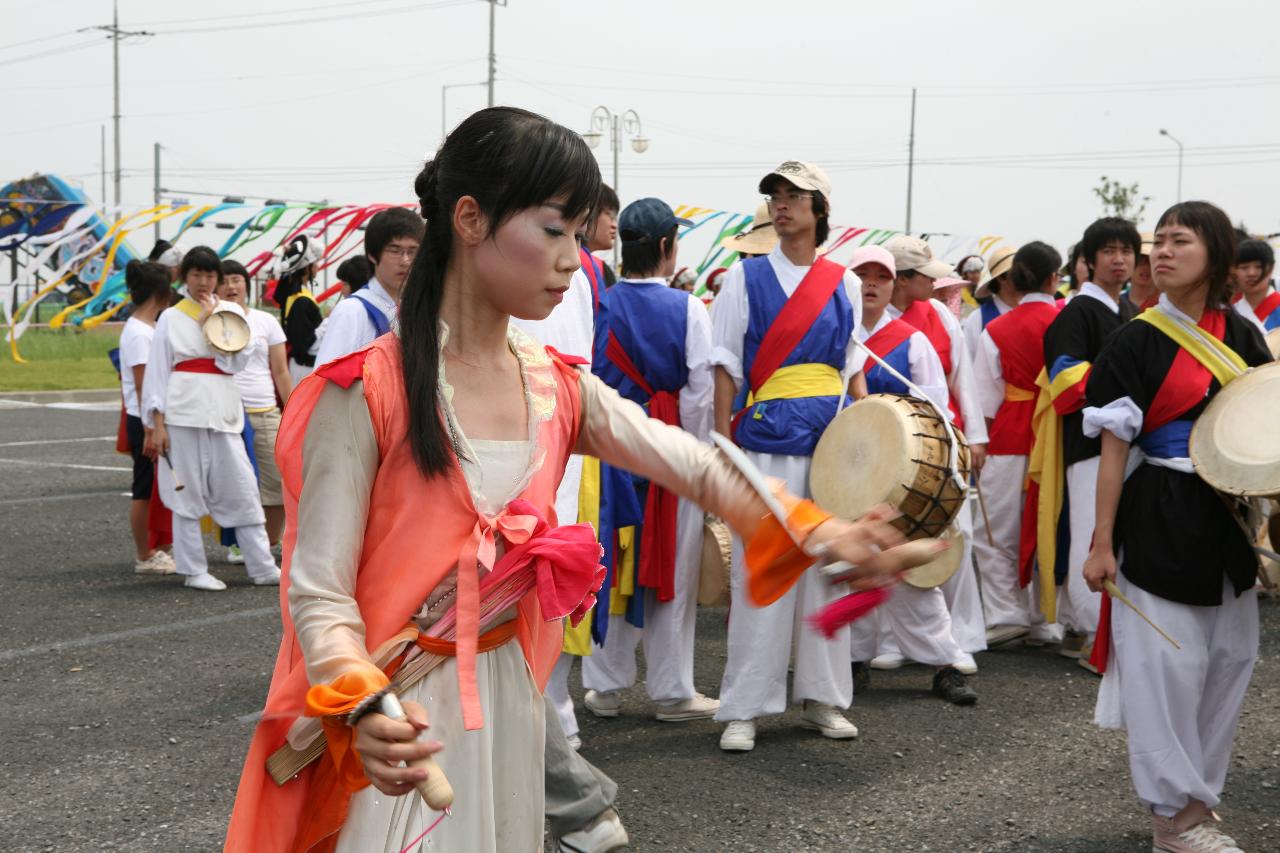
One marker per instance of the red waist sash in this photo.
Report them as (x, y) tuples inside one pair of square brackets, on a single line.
[(200, 365)]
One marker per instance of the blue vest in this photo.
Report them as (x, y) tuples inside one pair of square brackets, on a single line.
[(790, 427), (651, 322), (881, 381), (381, 323), (989, 311)]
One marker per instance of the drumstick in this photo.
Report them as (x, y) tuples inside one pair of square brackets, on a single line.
[(435, 789), (1114, 592), (982, 505), (177, 484)]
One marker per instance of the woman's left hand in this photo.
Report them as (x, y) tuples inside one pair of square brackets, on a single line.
[(207, 303), (877, 550)]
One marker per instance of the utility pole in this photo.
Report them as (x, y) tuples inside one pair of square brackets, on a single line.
[(102, 139), (116, 34), (155, 187), (911, 156), (493, 59)]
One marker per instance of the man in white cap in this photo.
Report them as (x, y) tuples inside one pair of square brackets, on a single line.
[(917, 270), (782, 330)]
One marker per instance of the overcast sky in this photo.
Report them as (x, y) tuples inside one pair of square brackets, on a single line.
[(1020, 111)]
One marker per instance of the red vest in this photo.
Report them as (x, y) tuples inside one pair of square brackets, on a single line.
[(1019, 336), (924, 316)]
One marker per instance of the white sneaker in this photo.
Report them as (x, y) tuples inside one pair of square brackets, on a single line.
[(966, 665), (1202, 838), (272, 579), (827, 720), (206, 582), (575, 742), (234, 555), (739, 736), (888, 660), (603, 835), (159, 563), (696, 707), (602, 704)]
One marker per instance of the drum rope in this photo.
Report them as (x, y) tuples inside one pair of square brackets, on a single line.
[(961, 482)]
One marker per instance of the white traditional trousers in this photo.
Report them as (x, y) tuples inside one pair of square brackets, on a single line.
[(1078, 605), (918, 622), (668, 628), (961, 591), (761, 639), (1180, 706), (1003, 601), (217, 478)]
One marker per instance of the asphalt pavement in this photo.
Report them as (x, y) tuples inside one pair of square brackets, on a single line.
[(132, 700)]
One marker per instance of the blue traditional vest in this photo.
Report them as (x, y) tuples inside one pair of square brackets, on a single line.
[(651, 322), (381, 323), (790, 427)]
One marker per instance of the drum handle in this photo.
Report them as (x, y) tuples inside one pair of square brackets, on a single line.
[(915, 390)]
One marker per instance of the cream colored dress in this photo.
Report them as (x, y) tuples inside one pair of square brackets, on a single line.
[(496, 771)]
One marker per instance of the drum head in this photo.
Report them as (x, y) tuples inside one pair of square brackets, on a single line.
[(713, 579), (863, 458), (1235, 446), (939, 571), (227, 332), (1273, 342)]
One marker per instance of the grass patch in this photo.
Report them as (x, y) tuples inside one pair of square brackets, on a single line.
[(61, 360)]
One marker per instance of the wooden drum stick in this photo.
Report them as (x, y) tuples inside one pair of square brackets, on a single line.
[(177, 484), (1119, 596), (435, 789)]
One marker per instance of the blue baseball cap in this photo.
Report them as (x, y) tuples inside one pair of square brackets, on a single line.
[(648, 219)]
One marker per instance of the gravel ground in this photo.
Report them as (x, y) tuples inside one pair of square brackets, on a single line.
[(132, 702)]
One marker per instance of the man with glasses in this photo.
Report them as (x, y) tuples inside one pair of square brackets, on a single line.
[(391, 242), (782, 331)]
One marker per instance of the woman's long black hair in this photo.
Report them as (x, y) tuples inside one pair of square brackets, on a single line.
[(508, 160)]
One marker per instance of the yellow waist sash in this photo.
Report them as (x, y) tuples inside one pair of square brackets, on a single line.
[(796, 381), (1014, 394)]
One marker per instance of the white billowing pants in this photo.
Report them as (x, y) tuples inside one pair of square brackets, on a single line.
[(1078, 605), (217, 480), (668, 628), (1180, 707), (558, 693), (961, 591), (1003, 601), (761, 638), (919, 623)]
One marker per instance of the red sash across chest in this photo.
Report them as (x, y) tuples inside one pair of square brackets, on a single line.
[(923, 316)]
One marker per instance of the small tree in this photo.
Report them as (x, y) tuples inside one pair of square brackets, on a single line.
[(1120, 200)]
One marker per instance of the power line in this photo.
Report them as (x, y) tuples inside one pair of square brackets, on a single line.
[(56, 51), (421, 7), (37, 40), (272, 14)]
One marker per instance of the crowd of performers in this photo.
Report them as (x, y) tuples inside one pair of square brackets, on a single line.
[(497, 428)]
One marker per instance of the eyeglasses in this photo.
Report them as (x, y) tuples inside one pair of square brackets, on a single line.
[(788, 196), (401, 251)]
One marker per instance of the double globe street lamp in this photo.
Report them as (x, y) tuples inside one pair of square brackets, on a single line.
[(602, 120)]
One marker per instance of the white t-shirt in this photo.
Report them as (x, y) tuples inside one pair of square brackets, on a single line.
[(257, 388), (135, 349)]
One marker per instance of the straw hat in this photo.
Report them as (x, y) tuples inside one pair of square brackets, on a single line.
[(1000, 262), (759, 239)]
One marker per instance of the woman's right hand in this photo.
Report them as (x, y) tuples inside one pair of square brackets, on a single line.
[(156, 443), (383, 743), (1099, 566)]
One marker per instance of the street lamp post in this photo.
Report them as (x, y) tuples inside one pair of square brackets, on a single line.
[(1164, 132), (628, 122)]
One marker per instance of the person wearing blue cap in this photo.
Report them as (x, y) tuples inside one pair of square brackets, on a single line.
[(784, 351), (653, 344)]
